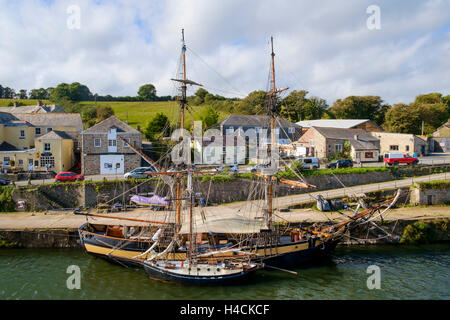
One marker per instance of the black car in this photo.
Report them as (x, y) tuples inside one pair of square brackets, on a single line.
[(340, 164), (4, 182)]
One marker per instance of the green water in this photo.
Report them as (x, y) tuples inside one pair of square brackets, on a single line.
[(420, 272)]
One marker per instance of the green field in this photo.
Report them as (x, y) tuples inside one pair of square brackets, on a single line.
[(136, 113)]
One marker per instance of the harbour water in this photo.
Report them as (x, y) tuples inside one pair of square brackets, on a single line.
[(407, 272)]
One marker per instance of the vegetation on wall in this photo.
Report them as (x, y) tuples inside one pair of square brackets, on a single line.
[(6, 202), (437, 184)]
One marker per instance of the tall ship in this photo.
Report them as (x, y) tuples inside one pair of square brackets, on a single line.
[(189, 243)]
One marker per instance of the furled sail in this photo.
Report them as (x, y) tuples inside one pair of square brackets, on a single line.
[(146, 201)]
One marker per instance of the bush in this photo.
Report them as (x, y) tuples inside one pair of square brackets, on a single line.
[(6, 202), (419, 233)]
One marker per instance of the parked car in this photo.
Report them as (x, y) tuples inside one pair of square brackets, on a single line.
[(340, 164), (138, 173), (397, 158), (68, 176), (309, 163), (4, 182)]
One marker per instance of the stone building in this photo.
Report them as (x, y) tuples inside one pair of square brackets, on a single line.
[(401, 143), (421, 195), (22, 145), (103, 150), (325, 142), (440, 142)]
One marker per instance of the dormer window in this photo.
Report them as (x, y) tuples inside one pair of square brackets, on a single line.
[(38, 131)]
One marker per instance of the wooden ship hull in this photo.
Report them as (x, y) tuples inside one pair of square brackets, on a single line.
[(125, 252)]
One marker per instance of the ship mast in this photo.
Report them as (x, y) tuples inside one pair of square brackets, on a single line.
[(183, 101), (272, 110)]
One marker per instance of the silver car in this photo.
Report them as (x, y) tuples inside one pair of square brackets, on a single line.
[(138, 173)]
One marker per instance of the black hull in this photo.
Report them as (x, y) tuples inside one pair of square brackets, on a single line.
[(158, 274), (315, 253), (310, 256)]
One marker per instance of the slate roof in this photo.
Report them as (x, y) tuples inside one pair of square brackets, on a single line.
[(105, 125), (52, 119), (364, 141), (334, 123), (52, 108), (254, 121), (55, 135), (5, 146)]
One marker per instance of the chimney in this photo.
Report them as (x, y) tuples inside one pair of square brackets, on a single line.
[(355, 137)]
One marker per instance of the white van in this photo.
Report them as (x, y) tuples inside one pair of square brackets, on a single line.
[(310, 163)]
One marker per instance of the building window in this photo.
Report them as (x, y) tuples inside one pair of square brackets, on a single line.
[(47, 162), (338, 147), (22, 134), (368, 155), (49, 129), (6, 161), (291, 130), (407, 148), (230, 130), (97, 142), (112, 143), (393, 148), (20, 163), (38, 131), (46, 146), (108, 165)]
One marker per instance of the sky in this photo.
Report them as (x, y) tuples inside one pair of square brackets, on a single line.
[(332, 49)]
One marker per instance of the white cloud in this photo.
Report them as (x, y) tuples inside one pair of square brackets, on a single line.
[(323, 47)]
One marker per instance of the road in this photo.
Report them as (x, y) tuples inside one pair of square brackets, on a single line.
[(286, 201)]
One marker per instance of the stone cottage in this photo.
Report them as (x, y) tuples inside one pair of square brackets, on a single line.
[(104, 151)]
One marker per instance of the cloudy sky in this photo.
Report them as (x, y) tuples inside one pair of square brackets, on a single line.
[(324, 47)]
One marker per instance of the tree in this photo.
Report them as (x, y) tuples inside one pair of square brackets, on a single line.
[(402, 118), (359, 107), (254, 103), (23, 94), (293, 106), (73, 92), (104, 112), (158, 125), (201, 94), (147, 92), (315, 108), (41, 94), (209, 117)]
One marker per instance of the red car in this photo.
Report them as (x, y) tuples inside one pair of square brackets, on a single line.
[(68, 176), (397, 158)]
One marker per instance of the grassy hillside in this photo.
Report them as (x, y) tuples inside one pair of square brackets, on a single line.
[(26, 102), (137, 113)]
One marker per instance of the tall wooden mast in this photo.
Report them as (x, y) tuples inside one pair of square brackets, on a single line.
[(272, 110)]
